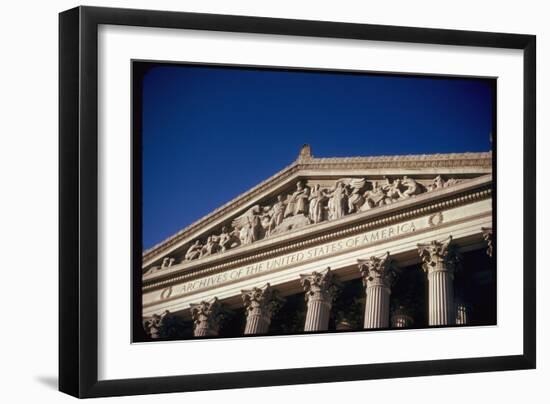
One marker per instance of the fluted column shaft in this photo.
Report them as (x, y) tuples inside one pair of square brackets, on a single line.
[(256, 323), (204, 331), (318, 313), (462, 313), (260, 304), (320, 288), (377, 306), (441, 297), (439, 262), (378, 276)]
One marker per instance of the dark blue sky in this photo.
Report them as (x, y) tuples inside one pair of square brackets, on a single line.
[(210, 133)]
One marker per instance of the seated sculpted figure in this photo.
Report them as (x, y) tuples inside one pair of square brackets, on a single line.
[(393, 191), (375, 197), (437, 183), (211, 247), (412, 187), (194, 251)]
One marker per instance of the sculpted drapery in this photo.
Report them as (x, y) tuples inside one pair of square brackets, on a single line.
[(317, 201), (298, 201), (337, 203), (311, 205)]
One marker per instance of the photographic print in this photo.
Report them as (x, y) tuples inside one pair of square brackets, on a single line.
[(271, 201)]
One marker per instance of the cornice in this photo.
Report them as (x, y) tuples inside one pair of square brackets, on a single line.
[(447, 160)]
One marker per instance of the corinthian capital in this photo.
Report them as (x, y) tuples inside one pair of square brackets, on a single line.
[(488, 237), (378, 270), (155, 326), (206, 316), (265, 300), (320, 285), (438, 255)]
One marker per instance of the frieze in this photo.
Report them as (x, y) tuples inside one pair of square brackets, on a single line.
[(306, 205)]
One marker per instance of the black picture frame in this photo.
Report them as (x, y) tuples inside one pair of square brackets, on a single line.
[(78, 206)]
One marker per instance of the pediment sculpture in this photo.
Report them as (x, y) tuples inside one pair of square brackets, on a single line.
[(311, 204)]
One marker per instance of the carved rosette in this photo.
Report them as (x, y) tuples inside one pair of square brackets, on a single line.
[(260, 305), (320, 291), (440, 262), (488, 237), (206, 317)]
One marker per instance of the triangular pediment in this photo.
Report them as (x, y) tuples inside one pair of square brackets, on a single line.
[(313, 191)]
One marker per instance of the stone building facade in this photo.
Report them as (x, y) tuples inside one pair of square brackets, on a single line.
[(333, 244)]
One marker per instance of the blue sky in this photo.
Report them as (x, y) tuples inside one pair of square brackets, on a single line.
[(211, 133)]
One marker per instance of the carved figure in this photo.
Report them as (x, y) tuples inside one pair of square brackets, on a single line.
[(317, 201), (449, 182), (167, 262), (437, 183), (276, 213), (354, 195), (298, 201), (250, 225), (393, 191), (338, 202), (375, 197), (227, 239), (211, 247), (194, 251), (412, 187)]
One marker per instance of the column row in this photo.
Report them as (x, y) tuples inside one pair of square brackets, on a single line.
[(379, 273)]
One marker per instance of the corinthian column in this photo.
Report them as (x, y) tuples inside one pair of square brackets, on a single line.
[(378, 276), (320, 288), (462, 312), (401, 318), (155, 327), (439, 262), (260, 304), (488, 237), (206, 316)]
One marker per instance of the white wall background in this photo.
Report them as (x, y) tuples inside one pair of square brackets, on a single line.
[(28, 206)]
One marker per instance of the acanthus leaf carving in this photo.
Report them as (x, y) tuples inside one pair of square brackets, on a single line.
[(154, 327), (378, 270), (207, 316), (264, 301), (439, 255), (320, 285)]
